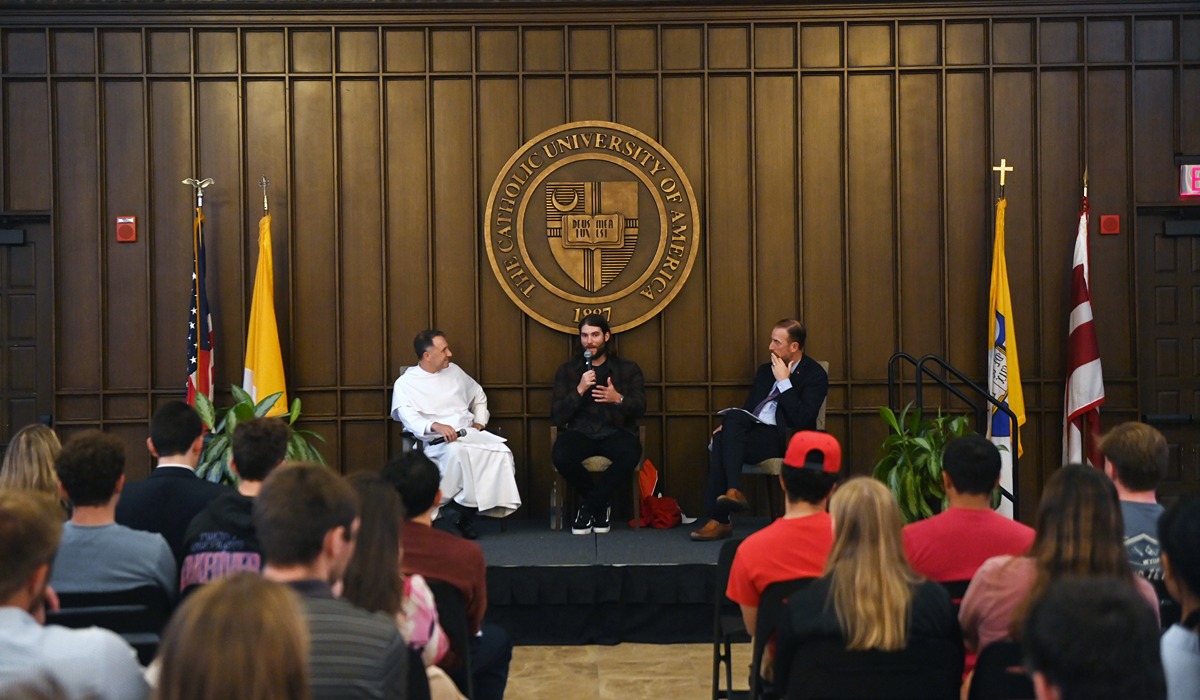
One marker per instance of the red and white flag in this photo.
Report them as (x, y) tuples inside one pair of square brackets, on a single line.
[(1085, 379)]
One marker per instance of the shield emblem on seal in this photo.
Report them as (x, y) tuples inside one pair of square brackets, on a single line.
[(592, 229)]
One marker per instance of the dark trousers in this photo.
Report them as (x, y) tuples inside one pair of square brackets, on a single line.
[(572, 447), (491, 654), (741, 440)]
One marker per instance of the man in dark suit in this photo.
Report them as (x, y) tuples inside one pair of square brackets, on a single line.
[(787, 395), (172, 495)]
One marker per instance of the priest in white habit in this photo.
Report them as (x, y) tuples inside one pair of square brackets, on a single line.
[(447, 410)]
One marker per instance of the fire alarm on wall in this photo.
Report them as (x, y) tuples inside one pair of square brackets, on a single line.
[(126, 229), (1110, 224)]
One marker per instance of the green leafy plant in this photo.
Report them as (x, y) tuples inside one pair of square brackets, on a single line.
[(221, 422), (911, 458)]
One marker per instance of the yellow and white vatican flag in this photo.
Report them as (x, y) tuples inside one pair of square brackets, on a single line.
[(264, 361), (1004, 372)]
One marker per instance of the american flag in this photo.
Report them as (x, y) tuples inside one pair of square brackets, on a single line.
[(200, 332), (1085, 379)]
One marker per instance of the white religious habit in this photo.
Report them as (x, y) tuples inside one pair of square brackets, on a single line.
[(477, 469)]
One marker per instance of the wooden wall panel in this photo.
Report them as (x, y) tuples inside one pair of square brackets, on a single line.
[(268, 146), (777, 293), (26, 140), (870, 226), (166, 226), (315, 326), (219, 156), (456, 263), (1013, 103), (686, 321), (921, 248), (1109, 181), (361, 228), (841, 163), (125, 303), (729, 219), (407, 236), (969, 219), (821, 199), (1060, 140), (80, 356)]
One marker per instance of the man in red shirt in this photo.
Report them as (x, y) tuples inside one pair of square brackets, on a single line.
[(796, 545), (951, 545), (441, 556)]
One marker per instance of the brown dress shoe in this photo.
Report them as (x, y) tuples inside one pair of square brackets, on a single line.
[(732, 501), (713, 530)]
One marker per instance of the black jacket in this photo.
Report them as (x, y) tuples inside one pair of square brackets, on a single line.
[(796, 409), (575, 412)]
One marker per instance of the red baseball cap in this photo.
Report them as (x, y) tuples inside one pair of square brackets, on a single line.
[(809, 449)]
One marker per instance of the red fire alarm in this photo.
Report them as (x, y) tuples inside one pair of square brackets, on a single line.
[(1110, 224), (126, 229)]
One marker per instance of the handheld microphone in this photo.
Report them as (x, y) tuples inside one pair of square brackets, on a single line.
[(440, 440), (587, 359)]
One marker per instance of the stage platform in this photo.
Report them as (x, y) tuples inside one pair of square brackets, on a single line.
[(646, 586)]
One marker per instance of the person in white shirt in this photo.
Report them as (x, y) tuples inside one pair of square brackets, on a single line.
[(91, 663), (447, 410)]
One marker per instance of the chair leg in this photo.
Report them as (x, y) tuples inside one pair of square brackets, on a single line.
[(637, 502), (560, 498)]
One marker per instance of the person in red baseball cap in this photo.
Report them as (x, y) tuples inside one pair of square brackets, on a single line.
[(796, 545)]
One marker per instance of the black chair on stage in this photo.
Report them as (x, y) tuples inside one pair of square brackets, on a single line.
[(595, 464), (137, 614), (452, 615), (728, 628), (1000, 673), (772, 612)]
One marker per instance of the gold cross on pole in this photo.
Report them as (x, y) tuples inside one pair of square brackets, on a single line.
[(1002, 168)]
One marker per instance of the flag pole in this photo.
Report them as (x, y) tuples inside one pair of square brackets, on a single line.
[(263, 183)]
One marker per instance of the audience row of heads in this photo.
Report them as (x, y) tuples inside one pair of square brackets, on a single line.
[(244, 629), (89, 469)]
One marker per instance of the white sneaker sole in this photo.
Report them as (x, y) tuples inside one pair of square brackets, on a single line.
[(582, 531), (602, 530)]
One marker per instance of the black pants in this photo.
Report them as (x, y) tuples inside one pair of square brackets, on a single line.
[(741, 440), (572, 447), (491, 654)]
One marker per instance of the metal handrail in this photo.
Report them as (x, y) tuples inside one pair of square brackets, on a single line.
[(979, 409)]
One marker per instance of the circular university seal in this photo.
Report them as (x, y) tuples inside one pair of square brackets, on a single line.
[(592, 217)]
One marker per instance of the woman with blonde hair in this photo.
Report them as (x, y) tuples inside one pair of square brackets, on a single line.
[(242, 638), (1078, 531), (29, 461), (869, 600)]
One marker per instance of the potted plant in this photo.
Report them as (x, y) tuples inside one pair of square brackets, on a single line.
[(911, 459), (221, 422)]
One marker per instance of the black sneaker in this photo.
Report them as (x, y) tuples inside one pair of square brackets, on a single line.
[(466, 528), (583, 522), (603, 523)]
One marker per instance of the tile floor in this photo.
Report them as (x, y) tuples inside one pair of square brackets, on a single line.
[(625, 671)]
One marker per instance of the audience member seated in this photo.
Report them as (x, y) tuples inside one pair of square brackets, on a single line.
[(796, 545), (241, 637), (221, 538), (936, 547), (29, 460), (375, 583), (91, 663), (1077, 532), (167, 500), (307, 521), (1135, 458), (438, 555), (870, 599), (96, 554), (1092, 638), (1179, 534)]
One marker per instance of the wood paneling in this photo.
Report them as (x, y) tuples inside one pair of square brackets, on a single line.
[(842, 166)]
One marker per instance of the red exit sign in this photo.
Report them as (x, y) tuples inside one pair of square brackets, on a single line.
[(1189, 180)]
